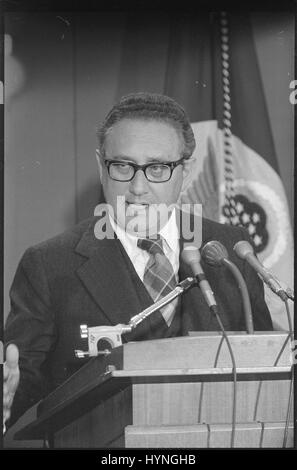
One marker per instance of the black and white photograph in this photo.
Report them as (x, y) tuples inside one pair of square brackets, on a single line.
[(148, 227)]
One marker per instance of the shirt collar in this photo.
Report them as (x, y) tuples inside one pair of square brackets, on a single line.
[(169, 233)]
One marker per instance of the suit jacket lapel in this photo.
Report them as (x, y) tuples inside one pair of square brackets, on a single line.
[(104, 274)]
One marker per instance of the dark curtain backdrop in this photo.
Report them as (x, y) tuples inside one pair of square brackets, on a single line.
[(64, 72)]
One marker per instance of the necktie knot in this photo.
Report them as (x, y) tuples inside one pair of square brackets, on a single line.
[(153, 247)]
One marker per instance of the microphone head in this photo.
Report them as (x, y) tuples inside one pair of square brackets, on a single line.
[(190, 254), (214, 253), (243, 248)]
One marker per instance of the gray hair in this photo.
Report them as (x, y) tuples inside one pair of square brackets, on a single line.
[(150, 107)]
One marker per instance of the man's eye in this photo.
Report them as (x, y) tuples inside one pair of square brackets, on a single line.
[(157, 169), (122, 168)]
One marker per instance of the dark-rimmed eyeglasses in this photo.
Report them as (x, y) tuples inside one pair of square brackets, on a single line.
[(154, 172)]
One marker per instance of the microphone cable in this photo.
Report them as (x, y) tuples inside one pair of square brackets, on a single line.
[(234, 403), (286, 430), (290, 393)]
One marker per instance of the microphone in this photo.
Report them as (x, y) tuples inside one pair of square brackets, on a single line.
[(191, 256), (215, 254), (244, 250), (179, 289)]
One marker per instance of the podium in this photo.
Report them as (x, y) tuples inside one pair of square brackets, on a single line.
[(175, 393)]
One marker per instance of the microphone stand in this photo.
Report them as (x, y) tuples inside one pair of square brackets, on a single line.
[(182, 287), (112, 334)]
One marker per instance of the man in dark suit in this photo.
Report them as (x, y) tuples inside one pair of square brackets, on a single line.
[(103, 274)]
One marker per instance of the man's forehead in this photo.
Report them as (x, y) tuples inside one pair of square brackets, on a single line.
[(143, 141), (143, 130), (144, 122)]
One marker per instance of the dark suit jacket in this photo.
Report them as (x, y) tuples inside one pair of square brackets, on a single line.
[(75, 279)]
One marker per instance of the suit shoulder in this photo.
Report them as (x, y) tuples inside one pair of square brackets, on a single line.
[(67, 239), (212, 230)]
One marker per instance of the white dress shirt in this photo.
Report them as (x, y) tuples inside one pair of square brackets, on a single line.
[(140, 257)]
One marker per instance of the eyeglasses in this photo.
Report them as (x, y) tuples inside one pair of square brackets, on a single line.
[(154, 172)]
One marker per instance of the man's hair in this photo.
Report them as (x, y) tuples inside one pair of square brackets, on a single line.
[(150, 107)]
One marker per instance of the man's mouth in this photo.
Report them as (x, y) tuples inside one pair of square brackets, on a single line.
[(137, 205), (135, 208), (135, 201)]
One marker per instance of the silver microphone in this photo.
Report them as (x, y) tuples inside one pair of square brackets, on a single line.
[(245, 251), (215, 254), (191, 256)]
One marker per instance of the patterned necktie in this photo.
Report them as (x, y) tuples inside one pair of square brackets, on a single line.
[(159, 278)]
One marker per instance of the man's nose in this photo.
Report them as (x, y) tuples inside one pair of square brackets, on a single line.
[(139, 184)]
